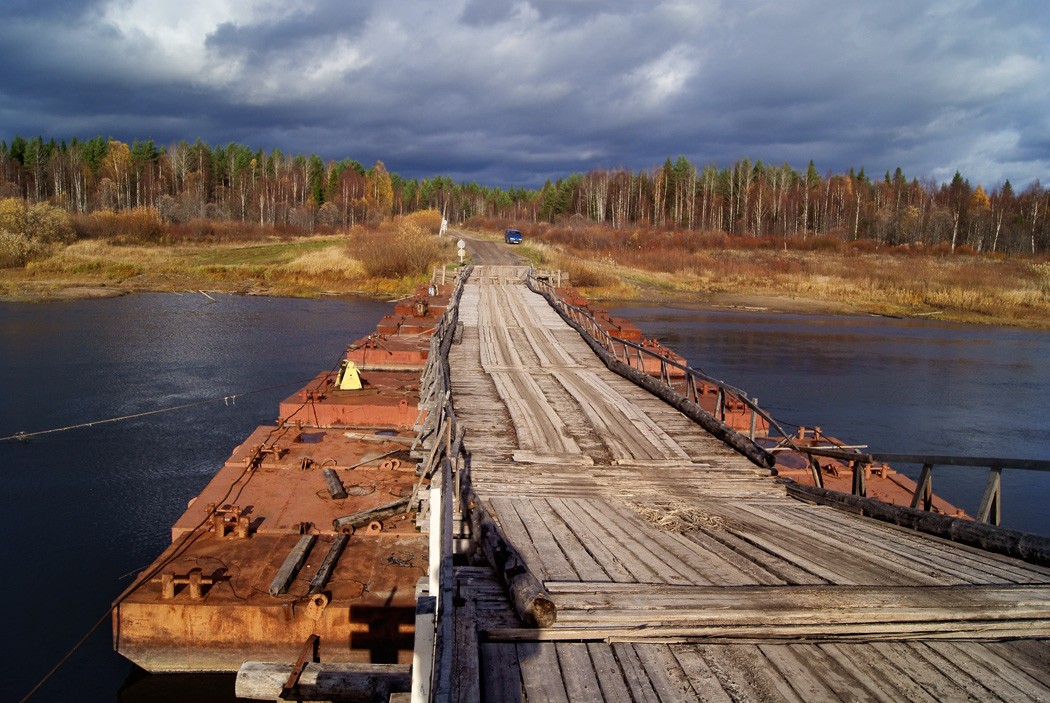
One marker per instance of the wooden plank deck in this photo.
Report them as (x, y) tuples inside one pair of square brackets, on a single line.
[(681, 571)]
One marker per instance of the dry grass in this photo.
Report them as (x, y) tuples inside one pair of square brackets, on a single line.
[(676, 516), (303, 266), (405, 248), (630, 264)]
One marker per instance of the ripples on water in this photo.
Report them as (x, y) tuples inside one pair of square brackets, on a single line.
[(84, 510)]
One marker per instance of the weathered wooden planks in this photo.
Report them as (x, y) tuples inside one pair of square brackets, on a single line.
[(721, 609)]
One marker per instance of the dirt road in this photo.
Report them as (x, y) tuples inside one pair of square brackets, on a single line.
[(487, 252)]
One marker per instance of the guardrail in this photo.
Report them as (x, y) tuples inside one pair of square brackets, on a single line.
[(634, 356), (990, 509), (694, 384), (432, 651)]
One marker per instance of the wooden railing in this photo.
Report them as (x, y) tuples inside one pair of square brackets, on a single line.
[(694, 383), (634, 355), (447, 467), (990, 509), (432, 653)]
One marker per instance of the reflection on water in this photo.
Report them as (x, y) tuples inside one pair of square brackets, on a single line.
[(905, 386), (85, 510)]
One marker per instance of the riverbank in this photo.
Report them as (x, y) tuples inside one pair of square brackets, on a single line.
[(305, 267), (971, 289)]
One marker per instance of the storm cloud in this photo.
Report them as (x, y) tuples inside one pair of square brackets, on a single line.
[(513, 92)]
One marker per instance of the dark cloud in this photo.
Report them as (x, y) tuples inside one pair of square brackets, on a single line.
[(520, 91)]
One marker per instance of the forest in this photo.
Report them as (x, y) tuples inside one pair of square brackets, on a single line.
[(186, 182)]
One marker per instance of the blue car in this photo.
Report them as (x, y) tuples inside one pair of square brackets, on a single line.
[(512, 236)]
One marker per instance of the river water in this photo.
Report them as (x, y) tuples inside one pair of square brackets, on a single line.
[(84, 510), (898, 386)]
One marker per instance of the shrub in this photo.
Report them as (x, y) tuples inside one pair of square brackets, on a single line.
[(427, 220), (27, 233), (18, 249), (403, 249), (140, 225)]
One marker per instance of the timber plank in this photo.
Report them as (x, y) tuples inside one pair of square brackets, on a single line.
[(578, 554), (516, 532), (977, 688), (916, 668), (634, 673), (770, 562), (655, 560), (578, 673), (968, 564), (613, 568), (865, 558), (995, 673), (610, 677), (669, 680), (743, 670), (540, 672), (702, 679), (884, 681), (809, 684), (501, 673), (556, 563), (1031, 656), (733, 568), (466, 666), (604, 530)]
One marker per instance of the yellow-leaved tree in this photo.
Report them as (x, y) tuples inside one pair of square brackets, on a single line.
[(380, 192)]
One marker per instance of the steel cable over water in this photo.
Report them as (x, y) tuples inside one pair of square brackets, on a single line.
[(228, 399), (188, 539)]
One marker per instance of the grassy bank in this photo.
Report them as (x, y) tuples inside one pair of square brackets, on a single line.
[(903, 282), (384, 261)]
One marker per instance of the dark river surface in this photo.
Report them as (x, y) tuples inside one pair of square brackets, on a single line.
[(898, 386), (84, 510)]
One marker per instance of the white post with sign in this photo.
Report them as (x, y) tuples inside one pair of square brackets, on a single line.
[(462, 250)]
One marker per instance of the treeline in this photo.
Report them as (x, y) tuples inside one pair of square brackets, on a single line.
[(187, 181), (777, 202)]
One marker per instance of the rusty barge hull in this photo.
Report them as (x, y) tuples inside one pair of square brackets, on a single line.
[(264, 557)]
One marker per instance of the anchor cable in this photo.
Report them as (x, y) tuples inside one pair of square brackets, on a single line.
[(187, 539), (229, 399)]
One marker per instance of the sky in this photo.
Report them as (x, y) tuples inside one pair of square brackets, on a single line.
[(515, 92)]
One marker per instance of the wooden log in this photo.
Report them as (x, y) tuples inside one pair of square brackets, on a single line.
[(335, 486), (1021, 545), (530, 598), (292, 563), (345, 683), (363, 517), (694, 412), (324, 572)]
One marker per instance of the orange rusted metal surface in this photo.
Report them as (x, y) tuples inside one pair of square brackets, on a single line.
[(380, 352), (364, 614), (242, 579), (389, 399)]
